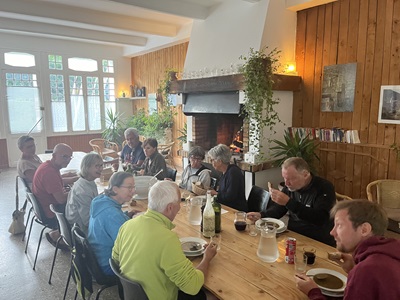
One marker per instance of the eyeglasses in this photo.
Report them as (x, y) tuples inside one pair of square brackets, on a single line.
[(130, 188), (195, 158), (66, 157)]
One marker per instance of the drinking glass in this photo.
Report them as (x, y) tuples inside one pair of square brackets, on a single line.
[(300, 263), (216, 239), (252, 229), (310, 253), (240, 221)]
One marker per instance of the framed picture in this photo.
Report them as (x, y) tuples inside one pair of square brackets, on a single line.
[(338, 87), (389, 104)]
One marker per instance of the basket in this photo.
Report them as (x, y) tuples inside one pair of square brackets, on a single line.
[(198, 190)]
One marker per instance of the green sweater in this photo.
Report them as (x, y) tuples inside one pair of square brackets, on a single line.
[(150, 253)]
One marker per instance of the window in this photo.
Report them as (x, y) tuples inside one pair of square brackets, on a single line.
[(17, 59), (23, 102), (58, 105), (82, 64), (84, 101), (109, 95), (108, 66)]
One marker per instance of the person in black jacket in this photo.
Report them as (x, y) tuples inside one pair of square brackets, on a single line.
[(231, 184), (306, 197)]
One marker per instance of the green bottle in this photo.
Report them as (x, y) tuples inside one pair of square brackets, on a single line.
[(217, 211)]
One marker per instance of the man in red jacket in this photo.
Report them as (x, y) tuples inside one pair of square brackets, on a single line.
[(371, 261)]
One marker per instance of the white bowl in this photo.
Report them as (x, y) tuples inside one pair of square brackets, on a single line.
[(142, 185)]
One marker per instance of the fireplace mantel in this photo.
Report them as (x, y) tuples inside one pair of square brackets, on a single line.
[(230, 83)]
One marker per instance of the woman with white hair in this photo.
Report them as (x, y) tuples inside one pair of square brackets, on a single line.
[(84, 191), (231, 184)]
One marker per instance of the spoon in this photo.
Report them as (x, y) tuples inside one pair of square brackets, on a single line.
[(156, 175)]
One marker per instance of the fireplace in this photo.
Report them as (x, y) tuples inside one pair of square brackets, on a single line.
[(209, 130)]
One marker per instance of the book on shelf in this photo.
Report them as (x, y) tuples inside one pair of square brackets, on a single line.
[(336, 134)]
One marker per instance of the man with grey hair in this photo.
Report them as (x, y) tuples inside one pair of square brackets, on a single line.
[(308, 199), (148, 252), (195, 170), (132, 152)]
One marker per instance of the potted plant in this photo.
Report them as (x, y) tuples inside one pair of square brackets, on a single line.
[(258, 70), (183, 138), (295, 146), (114, 130)]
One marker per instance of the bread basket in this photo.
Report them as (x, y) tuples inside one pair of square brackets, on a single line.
[(199, 190)]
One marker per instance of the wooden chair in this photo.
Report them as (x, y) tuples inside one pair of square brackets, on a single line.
[(166, 152), (104, 148), (340, 197), (386, 192)]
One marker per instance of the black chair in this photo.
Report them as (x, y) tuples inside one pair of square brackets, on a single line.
[(84, 267), (132, 289), (38, 218), (65, 234), (258, 199), (171, 173), (27, 200)]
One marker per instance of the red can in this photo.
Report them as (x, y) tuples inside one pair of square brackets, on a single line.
[(290, 250)]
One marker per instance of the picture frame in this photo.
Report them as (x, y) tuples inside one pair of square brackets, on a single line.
[(389, 104), (338, 88)]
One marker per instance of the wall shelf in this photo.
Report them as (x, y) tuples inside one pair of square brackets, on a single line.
[(131, 98)]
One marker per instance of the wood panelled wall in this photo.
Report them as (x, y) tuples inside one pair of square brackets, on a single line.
[(149, 69), (346, 31)]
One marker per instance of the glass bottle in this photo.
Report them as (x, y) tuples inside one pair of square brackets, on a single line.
[(208, 218), (217, 211)]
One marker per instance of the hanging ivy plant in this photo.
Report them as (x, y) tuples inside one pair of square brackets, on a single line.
[(258, 70)]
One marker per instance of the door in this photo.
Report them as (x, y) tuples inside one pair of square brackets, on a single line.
[(24, 111)]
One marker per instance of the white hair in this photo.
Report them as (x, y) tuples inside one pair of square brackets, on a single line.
[(161, 194)]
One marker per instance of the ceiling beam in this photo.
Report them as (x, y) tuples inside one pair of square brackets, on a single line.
[(57, 31), (57, 14), (175, 7)]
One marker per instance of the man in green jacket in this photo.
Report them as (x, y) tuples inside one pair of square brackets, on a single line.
[(148, 252)]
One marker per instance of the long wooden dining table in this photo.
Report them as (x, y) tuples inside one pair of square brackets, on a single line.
[(236, 272)]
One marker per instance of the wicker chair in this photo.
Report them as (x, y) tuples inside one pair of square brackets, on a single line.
[(386, 192), (166, 151), (104, 148), (341, 197)]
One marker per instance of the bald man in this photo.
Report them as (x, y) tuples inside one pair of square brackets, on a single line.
[(48, 186)]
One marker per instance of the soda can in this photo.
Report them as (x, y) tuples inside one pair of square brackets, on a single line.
[(290, 250)]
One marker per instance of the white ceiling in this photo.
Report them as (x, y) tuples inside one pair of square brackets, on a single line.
[(138, 25)]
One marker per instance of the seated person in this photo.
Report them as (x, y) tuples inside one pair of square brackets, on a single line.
[(195, 171), (148, 252), (308, 199), (132, 153), (106, 217), (29, 161), (231, 184), (48, 187), (84, 191), (371, 261), (154, 161)]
